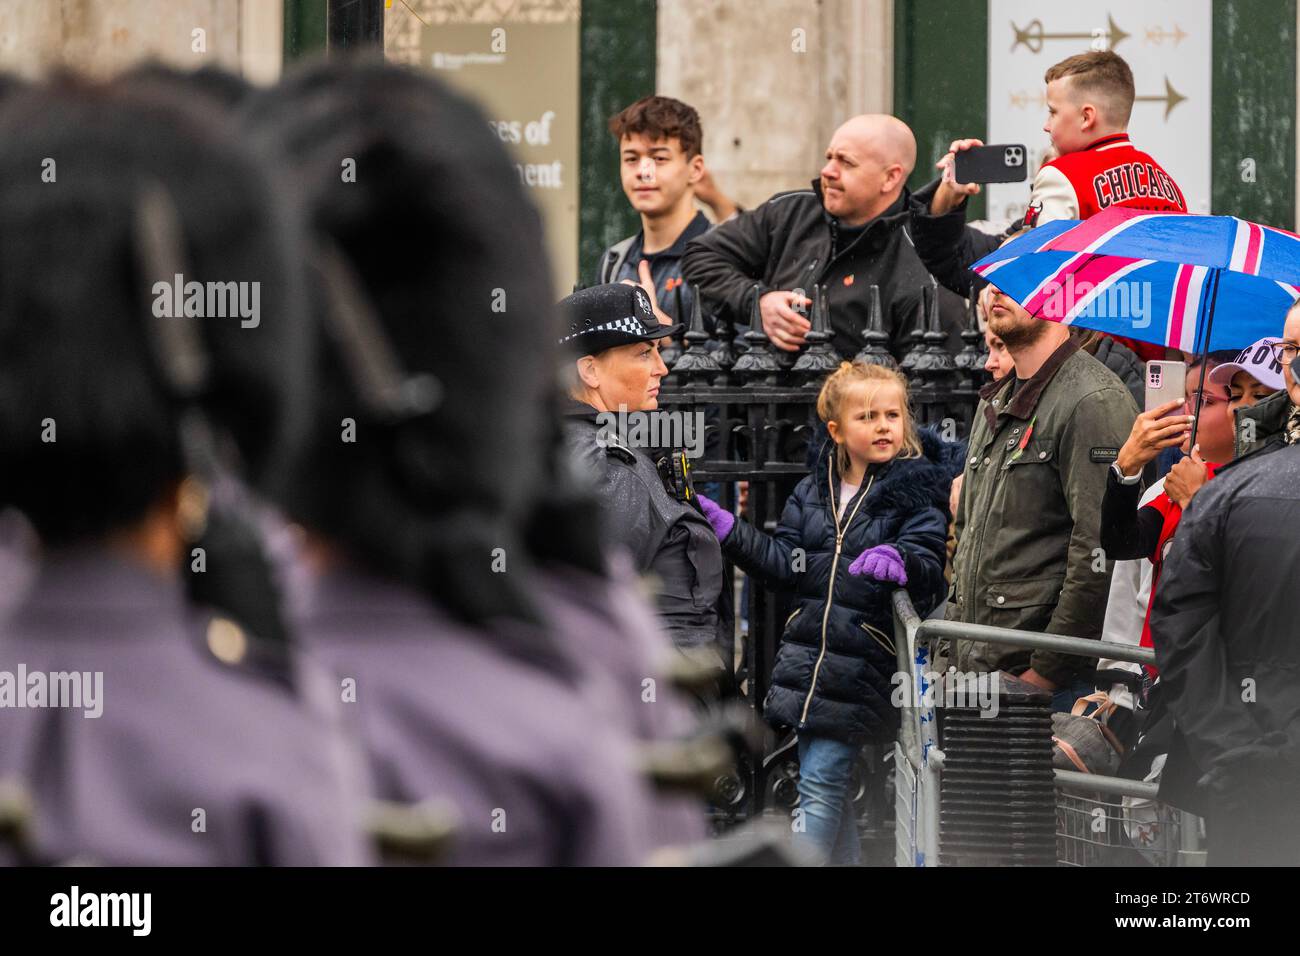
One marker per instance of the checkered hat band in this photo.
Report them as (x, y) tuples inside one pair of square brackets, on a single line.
[(628, 324)]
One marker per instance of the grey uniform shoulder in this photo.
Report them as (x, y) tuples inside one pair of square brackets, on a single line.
[(231, 647)]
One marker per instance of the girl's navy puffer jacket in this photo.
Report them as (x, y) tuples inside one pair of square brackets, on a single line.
[(833, 672)]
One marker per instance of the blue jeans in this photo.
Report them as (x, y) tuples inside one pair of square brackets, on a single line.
[(1063, 698), (826, 799)]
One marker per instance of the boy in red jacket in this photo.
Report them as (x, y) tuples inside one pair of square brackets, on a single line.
[(1089, 100)]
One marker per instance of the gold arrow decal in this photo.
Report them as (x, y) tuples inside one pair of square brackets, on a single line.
[(1022, 98), (1159, 35), (1032, 36), (1171, 98)]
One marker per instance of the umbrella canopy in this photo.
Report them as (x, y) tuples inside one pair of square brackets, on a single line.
[(1189, 282)]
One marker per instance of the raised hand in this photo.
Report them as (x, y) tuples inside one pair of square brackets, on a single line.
[(1152, 433)]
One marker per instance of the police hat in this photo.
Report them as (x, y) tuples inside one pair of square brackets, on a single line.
[(605, 316)]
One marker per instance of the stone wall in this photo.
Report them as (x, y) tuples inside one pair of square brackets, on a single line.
[(100, 37), (773, 80)]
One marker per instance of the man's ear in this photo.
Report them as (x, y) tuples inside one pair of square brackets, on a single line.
[(588, 372), (696, 169), (894, 177)]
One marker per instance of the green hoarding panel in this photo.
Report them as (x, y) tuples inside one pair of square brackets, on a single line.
[(1253, 111), (941, 77), (618, 68)]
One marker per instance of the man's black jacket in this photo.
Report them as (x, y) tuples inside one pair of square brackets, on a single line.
[(1224, 626), (786, 243), (948, 246)]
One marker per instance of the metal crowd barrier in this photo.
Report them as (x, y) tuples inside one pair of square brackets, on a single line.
[(1163, 836)]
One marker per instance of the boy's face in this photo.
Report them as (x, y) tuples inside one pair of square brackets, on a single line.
[(1070, 123), (656, 173)]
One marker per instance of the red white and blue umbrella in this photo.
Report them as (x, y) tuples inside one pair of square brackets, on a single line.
[(1189, 282)]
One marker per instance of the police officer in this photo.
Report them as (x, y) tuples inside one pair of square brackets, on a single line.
[(648, 504)]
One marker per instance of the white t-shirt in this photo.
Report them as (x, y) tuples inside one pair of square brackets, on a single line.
[(847, 492), (1130, 593)]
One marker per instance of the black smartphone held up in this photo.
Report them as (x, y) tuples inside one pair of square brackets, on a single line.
[(1003, 163)]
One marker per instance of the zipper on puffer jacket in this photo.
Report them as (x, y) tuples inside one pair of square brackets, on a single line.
[(830, 586), (880, 638)]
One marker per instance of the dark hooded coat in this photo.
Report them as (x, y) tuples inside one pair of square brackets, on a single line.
[(833, 675)]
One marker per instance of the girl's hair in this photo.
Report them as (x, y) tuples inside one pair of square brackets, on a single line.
[(851, 375)]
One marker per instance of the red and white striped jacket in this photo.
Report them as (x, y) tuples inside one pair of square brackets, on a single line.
[(1107, 172)]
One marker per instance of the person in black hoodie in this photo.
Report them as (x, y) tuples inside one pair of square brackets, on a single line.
[(847, 232), (872, 516)]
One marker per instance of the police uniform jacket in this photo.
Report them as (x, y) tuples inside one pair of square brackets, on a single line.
[(667, 537)]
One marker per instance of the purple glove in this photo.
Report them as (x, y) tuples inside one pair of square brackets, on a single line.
[(721, 519), (883, 562)]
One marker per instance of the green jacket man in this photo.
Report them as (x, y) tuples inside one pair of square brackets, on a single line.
[(1029, 519)]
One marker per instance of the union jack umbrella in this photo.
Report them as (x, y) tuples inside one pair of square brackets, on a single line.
[(1189, 282)]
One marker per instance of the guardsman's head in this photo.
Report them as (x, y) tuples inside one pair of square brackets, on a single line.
[(126, 215)]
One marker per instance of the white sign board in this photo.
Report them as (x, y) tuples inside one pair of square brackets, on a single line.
[(1165, 42)]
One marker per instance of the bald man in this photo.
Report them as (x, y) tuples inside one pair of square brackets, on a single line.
[(848, 232)]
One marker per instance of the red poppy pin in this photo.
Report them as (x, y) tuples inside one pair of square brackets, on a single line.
[(1020, 449)]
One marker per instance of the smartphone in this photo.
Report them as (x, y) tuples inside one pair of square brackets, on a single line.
[(1165, 382), (991, 164)]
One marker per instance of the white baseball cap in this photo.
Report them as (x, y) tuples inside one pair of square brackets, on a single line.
[(1256, 361)]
